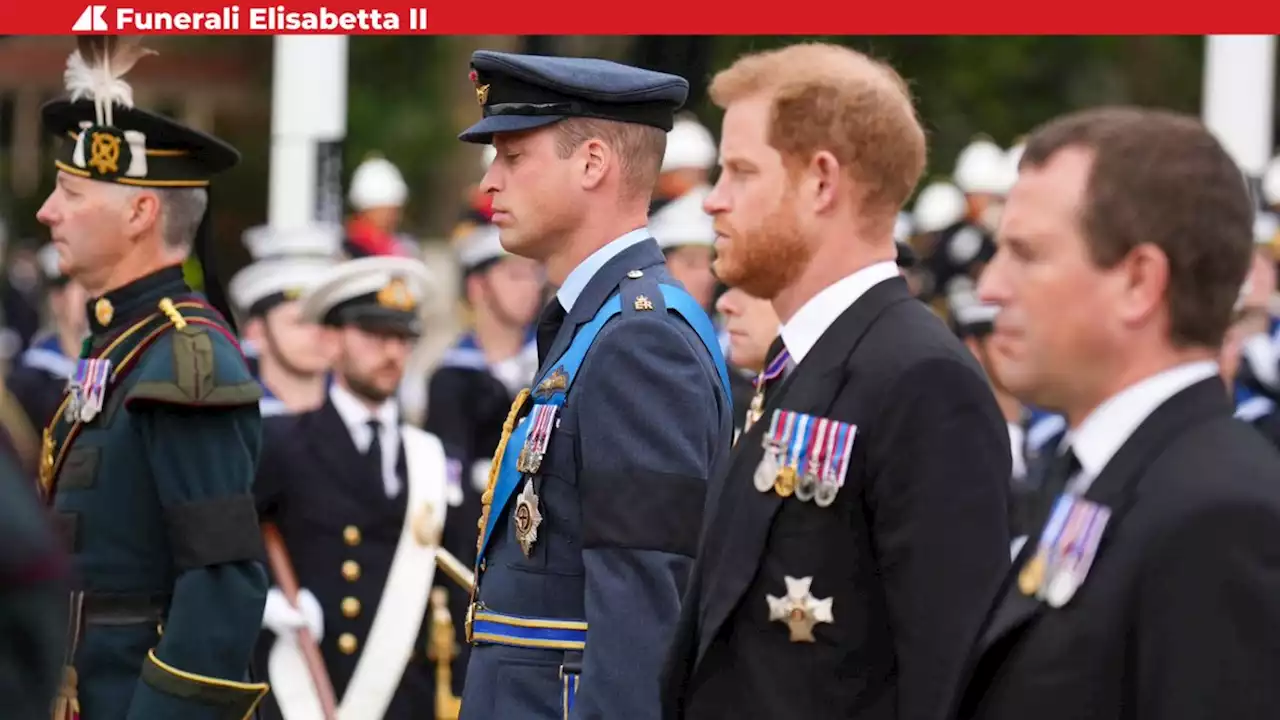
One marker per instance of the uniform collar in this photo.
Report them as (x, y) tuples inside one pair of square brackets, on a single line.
[(577, 280), (356, 416), (130, 303), (802, 331)]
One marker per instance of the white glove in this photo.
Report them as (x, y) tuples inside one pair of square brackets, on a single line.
[(281, 618)]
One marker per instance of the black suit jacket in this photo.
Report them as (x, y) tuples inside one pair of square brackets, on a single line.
[(911, 551), (1179, 616)]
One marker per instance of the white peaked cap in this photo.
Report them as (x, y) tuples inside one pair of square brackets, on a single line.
[(377, 183), (314, 240), (689, 146), (939, 206), (967, 310), (982, 167), (292, 276), (48, 259), (683, 221), (902, 227), (1271, 183), (363, 276), (479, 246), (487, 157)]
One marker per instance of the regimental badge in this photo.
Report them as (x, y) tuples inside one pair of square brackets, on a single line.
[(104, 152), (543, 418), (87, 389), (557, 381), (527, 518), (799, 609), (396, 295), (103, 311)]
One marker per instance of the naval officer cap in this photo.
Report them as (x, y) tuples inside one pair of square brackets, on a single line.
[(380, 294), (480, 248), (315, 240), (261, 286), (524, 92)]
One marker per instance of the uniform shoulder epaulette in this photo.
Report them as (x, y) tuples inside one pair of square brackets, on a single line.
[(641, 293), (205, 366)]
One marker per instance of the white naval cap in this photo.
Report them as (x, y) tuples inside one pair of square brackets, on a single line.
[(683, 221), (968, 313), (1271, 182), (262, 285), (47, 257), (903, 227), (313, 240), (939, 206), (479, 246), (487, 157), (689, 146), (380, 292), (982, 167), (377, 183)]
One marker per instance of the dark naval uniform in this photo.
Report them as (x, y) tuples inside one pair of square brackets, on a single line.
[(591, 517), (39, 377), (149, 462), (361, 551), (860, 531)]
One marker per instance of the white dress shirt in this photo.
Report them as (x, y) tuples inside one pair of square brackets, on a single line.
[(1096, 440), (802, 331), (578, 278), (356, 416)]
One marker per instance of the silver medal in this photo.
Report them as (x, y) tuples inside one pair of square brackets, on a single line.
[(806, 488), (766, 471), (826, 493), (88, 412), (1062, 587)]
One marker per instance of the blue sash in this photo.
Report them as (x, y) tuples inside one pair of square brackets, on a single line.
[(552, 386)]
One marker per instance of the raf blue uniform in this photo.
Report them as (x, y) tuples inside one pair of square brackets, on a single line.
[(591, 520), (150, 478)]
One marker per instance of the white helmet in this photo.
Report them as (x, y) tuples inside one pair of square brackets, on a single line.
[(1271, 183), (689, 146), (939, 206), (982, 167), (683, 221), (377, 183)]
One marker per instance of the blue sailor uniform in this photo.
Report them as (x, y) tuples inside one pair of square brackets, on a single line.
[(39, 377), (645, 423)]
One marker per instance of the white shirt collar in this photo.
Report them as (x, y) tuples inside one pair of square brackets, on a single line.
[(1096, 440), (356, 416), (802, 331), (577, 280)]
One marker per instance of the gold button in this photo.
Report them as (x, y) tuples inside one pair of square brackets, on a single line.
[(351, 534), (350, 607), (351, 570), (347, 643)]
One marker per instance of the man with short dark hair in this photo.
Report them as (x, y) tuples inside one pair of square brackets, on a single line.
[(1148, 589), (590, 517)]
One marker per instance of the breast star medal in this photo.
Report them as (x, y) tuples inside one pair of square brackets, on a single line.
[(799, 609), (527, 518)]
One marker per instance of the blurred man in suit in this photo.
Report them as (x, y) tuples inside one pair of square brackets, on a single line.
[(861, 528), (1149, 591)]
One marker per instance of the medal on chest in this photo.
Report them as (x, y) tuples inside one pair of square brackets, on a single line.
[(87, 388), (527, 518), (543, 422)]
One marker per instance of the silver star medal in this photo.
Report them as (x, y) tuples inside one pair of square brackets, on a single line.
[(527, 518), (799, 609)]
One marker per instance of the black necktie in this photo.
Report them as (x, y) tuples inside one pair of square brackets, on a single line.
[(549, 323), (374, 453)]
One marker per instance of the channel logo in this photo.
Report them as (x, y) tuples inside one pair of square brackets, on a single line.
[(92, 20)]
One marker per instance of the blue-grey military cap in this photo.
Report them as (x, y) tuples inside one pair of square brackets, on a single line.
[(523, 92)]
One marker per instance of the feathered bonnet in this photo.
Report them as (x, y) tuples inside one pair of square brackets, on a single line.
[(105, 137)]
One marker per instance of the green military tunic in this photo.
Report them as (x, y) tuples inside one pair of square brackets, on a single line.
[(153, 498)]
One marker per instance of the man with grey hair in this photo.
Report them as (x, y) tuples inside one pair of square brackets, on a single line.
[(149, 460)]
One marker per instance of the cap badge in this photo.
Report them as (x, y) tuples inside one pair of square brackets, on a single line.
[(482, 91), (104, 152), (396, 295)]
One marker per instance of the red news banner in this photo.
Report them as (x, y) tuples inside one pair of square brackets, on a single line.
[(719, 17)]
